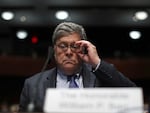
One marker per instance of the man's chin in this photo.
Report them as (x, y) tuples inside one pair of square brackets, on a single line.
[(68, 69)]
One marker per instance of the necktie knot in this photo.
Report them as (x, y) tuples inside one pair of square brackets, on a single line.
[(72, 81)]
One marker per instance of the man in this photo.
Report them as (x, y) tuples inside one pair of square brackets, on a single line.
[(75, 58)]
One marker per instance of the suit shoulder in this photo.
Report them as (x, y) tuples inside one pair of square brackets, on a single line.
[(41, 75)]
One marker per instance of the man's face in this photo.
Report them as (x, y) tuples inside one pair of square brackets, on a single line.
[(65, 53)]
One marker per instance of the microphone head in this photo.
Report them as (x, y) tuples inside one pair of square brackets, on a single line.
[(50, 54)]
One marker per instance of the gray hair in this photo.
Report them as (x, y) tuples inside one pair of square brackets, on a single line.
[(67, 28)]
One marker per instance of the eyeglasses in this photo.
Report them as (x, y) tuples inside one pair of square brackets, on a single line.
[(64, 47)]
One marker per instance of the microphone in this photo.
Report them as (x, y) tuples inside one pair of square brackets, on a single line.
[(32, 106), (49, 58)]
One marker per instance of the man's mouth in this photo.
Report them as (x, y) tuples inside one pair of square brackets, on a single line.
[(69, 61)]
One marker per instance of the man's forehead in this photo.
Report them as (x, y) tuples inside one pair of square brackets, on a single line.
[(68, 38)]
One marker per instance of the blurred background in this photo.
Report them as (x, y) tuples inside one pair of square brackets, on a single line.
[(119, 28)]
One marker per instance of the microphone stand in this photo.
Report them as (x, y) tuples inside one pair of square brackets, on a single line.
[(32, 106)]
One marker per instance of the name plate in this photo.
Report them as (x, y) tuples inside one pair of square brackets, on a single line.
[(94, 100)]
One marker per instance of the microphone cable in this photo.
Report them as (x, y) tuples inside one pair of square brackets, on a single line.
[(32, 106)]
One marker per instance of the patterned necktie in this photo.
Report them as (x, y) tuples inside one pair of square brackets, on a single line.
[(73, 83)]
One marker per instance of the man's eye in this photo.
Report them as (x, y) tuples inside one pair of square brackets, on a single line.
[(75, 46), (62, 45)]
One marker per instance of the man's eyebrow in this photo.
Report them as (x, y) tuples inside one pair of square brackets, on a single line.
[(67, 42)]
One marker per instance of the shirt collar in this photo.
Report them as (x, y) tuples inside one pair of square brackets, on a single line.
[(63, 76)]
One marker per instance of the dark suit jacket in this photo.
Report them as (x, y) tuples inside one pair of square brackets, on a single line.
[(35, 86)]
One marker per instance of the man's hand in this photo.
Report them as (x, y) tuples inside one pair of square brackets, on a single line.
[(91, 57)]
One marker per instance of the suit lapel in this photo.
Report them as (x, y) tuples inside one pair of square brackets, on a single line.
[(88, 77), (50, 81)]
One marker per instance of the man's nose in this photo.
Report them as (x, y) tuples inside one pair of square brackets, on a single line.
[(69, 50)]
